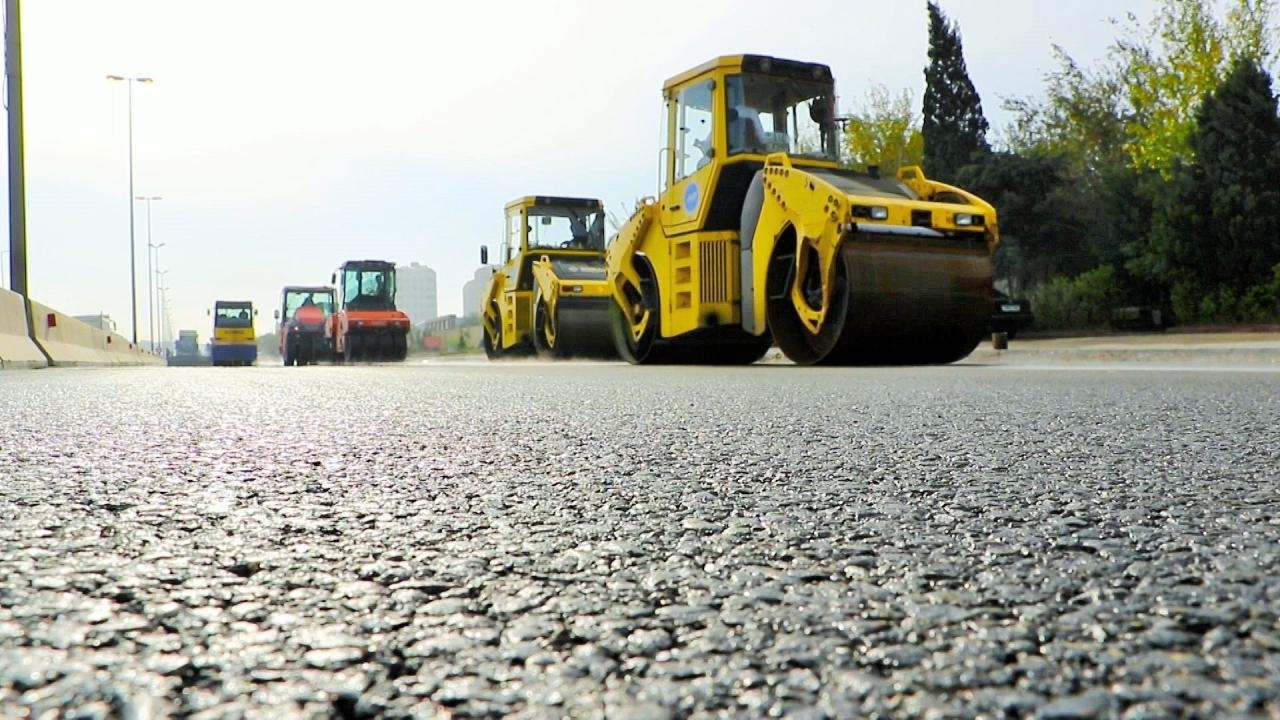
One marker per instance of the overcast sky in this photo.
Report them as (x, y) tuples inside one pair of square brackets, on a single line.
[(287, 136)]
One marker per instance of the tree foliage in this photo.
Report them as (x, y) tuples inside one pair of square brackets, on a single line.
[(1165, 81), (1080, 119), (1141, 102), (954, 127), (1040, 233), (884, 132), (1216, 231), (1165, 162)]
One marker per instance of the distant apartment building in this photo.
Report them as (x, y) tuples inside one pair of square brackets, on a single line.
[(416, 292), (473, 292)]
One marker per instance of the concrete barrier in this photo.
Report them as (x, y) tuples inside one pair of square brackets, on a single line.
[(69, 342), (16, 348), (123, 352)]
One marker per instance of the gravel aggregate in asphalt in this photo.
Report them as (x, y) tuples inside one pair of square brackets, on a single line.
[(596, 540)]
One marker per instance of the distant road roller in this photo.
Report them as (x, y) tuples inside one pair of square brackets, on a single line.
[(760, 237), (365, 324), (550, 297)]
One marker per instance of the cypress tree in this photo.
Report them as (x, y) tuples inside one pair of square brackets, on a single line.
[(1237, 178), (954, 128)]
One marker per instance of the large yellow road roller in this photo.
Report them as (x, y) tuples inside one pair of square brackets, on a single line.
[(550, 297), (761, 237)]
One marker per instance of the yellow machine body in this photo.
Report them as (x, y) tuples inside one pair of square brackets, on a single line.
[(549, 297), (760, 237)]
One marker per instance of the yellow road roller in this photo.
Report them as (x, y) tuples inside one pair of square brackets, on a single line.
[(761, 237), (550, 297)]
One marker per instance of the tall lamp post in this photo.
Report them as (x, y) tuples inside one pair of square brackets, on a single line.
[(156, 295), (161, 298), (133, 267), (151, 307)]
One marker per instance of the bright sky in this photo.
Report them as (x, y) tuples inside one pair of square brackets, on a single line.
[(286, 136)]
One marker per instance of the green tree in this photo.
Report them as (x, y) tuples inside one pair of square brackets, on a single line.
[(1164, 83), (1217, 227), (1041, 231), (1081, 119), (1141, 102), (1237, 150), (954, 127), (884, 132)]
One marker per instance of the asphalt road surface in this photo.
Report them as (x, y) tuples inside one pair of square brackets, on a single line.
[(599, 540)]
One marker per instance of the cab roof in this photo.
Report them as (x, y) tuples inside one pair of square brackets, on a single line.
[(535, 200), (370, 263), (763, 64)]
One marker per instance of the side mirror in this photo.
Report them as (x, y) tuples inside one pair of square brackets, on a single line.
[(207, 311), (333, 278), (276, 314), (255, 312), (484, 254)]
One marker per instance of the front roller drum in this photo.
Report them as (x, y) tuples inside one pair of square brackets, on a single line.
[(579, 328), (889, 306)]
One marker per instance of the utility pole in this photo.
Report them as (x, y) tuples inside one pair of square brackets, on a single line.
[(17, 169)]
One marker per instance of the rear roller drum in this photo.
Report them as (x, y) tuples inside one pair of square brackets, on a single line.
[(547, 339), (492, 350), (709, 346), (492, 345), (646, 349)]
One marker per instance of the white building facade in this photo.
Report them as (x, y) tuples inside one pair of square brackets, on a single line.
[(473, 292), (416, 292)]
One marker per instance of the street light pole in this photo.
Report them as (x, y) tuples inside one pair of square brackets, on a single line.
[(151, 307), (17, 163), (159, 320), (133, 266), (160, 295)]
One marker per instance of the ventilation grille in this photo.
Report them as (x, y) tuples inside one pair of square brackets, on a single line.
[(714, 267)]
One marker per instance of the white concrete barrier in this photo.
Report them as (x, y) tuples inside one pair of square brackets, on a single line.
[(16, 348), (123, 352), (69, 342)]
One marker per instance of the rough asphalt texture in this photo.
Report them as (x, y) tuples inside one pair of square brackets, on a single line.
[(531, 540)]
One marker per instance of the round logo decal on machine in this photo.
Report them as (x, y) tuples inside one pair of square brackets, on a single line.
[(692, 197)]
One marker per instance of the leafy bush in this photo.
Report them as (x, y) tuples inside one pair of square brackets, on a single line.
[(1084, 301), (1259, 303)]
